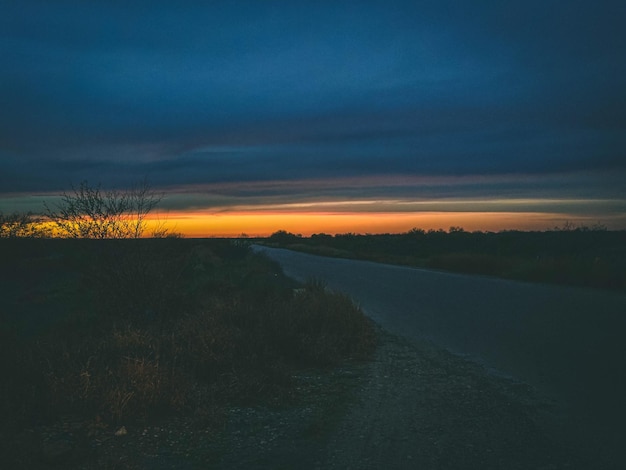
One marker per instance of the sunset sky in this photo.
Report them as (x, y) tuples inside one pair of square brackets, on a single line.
[(321, 116)]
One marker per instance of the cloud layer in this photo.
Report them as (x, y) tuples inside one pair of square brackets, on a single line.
[(213, 95)]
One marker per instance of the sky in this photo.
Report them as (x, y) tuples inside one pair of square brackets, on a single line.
[(321, 116)]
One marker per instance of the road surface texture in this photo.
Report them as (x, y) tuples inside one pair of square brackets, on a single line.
[(566, 343)]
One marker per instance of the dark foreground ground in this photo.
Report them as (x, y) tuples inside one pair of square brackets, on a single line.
[(412, 406), (107, 389)]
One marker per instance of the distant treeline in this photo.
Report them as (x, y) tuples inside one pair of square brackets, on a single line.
[(578, 256)]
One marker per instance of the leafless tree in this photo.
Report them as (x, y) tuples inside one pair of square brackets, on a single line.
[(91, 212)]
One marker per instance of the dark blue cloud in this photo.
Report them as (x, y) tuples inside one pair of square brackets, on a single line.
[(210, 92)]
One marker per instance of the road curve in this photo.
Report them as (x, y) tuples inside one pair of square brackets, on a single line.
[(568, 343)]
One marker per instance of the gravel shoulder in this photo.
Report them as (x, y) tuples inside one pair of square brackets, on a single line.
[(421, 407), (411, 406)]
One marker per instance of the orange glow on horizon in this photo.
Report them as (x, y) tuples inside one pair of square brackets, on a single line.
[(264, 223)]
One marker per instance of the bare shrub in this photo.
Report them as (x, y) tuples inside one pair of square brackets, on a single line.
[(321, 327), (17, 225), (90, 212)]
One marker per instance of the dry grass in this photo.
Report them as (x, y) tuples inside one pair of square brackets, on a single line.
[(237, 336)]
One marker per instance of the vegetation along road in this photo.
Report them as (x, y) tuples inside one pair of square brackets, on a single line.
[(567, 343)]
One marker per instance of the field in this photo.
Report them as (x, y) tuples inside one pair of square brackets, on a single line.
[(579, 257), (125, 354), (111, 333)]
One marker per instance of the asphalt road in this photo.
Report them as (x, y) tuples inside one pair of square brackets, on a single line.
[(567, 343)]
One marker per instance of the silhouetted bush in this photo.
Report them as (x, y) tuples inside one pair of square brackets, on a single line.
[(28, 225), (283, 237), (91, 212), (320, 327)]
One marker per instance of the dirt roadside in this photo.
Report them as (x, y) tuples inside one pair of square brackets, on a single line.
[(420, 407), (412, 407)]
